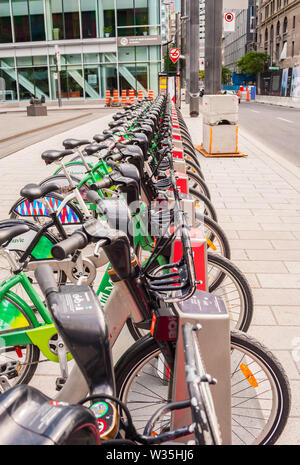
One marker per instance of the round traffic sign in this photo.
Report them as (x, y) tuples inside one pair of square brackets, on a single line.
[(174, 54), (229, 17)]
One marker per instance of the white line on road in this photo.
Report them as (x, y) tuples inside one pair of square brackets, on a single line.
[(283, 119), (255, 111)]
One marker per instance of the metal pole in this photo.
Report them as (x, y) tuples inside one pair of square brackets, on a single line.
[(58, 68), (187, 60), (194, 39), (213, 46)]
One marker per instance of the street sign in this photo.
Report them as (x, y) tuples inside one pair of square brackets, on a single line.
[(229, 21), (174, 54), (235, 4), (273, 68)]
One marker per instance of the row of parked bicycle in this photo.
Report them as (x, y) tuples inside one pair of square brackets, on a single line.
[(124, 233)]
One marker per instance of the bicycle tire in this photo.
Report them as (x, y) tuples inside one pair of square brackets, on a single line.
[(31, 359), (209, 209), (190, 165), (216, 236), (131, 364), (195, 182), (225, 268)]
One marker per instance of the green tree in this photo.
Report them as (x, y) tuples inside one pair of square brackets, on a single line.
[(253, 63), (226, 75)]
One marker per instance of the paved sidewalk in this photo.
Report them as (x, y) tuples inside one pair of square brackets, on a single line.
[(257, 200)]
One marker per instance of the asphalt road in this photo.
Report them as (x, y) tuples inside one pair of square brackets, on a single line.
[(276, 127)]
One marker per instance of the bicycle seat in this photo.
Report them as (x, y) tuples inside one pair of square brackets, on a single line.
[(101, 137), (34, 191), (75, 143), (94, 148), (51, 156), (7, 234)]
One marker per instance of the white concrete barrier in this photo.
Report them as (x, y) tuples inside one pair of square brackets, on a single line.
[(293, 102)]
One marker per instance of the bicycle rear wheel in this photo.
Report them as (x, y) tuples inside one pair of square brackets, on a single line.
[(260, 402)]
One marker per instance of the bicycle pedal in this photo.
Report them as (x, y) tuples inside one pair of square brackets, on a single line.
[(60, 383)]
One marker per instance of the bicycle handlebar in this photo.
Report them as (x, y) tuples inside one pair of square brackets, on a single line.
[(63, 249)]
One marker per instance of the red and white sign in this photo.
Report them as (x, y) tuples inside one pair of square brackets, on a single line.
[(229, 21), (174, 54)]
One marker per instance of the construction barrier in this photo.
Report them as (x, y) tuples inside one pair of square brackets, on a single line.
[(131, 96), (140, 95), (124, 97), (115, 98), (151, 94), (107, 98)]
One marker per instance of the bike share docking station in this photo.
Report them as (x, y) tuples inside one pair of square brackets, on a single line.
[(210, 313)]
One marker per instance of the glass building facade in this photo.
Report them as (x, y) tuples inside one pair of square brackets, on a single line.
[(103, 45)]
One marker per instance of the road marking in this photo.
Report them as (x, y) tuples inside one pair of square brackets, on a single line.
[(255, 111), (287, 120)]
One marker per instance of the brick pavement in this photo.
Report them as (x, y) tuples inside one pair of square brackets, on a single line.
[(257, 200)]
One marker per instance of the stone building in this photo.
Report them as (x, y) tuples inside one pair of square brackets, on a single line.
[(278, 31)]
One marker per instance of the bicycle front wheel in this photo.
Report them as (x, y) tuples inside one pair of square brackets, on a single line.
[(260, 408), (18, 363)]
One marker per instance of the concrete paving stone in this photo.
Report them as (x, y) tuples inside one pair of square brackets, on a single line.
[(261, 266), (231, 234), (295, 388), (283, 244), (238, 255), (277, 296), (286, 206), (294, 220), (276, 255), (266, 217), (287, 315), (293, 267), (248, 244), (265, 235), (288, 436), (280, 280), (252, 280), (248, 204), (276, 337), (288, 363), (262, 316), (288, 227), (236, 212), (241, 226)]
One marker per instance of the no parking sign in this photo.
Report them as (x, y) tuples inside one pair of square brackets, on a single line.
[(229, 21)]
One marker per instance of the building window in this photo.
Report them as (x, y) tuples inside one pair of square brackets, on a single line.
[(65, 19), (266, 11), (294, 22), (285, 25), (293, 48), (21, 20), (28, 19), (5, 22), (88, 18), (278, 28)]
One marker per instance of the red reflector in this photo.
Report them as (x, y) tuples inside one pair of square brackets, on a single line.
[(18, 351)]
